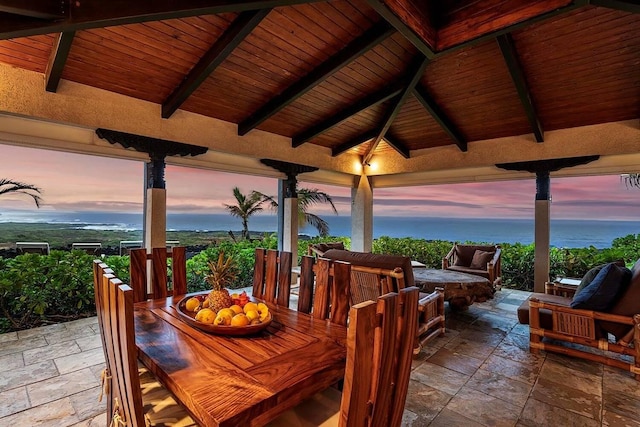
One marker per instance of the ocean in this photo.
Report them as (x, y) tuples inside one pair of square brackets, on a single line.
[(564, 233)]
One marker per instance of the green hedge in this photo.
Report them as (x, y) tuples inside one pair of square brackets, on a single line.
[(36, 290)]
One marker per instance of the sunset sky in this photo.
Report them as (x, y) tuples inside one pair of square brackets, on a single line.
[(73, 182)]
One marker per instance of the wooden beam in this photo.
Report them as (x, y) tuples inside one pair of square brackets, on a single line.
[(240, 28), (510, 55), (386, 93), (439, 116), (41, 9), (369, 39), (414, 38), (57, 60), (626, 6), (360, 139), (398, 146), (88, 14), (413, 77)]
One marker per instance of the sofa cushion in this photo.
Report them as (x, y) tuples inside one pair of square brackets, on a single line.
[(546, 318), (591, 274), (480, 259), (484, 273), (324, 247), (603, 291), (627, 305), (464, 254), (366, 259)]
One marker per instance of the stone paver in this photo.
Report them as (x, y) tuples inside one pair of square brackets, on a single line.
[(480, 373)]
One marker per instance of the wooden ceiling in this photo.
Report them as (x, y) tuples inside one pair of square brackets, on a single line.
[(350, 75)]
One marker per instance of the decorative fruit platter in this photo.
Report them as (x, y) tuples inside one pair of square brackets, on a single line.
[(244, 317)]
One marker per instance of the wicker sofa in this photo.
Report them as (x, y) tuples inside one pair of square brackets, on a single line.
[(481, 260), (553, 323)]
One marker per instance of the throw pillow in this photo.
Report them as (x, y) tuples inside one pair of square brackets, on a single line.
[(602, 292), (480, 259), (591, 274)]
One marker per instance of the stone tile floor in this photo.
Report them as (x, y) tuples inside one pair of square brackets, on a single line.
[(479, 374)]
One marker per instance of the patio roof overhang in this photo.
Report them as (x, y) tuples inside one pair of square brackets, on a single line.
[(409, 92)]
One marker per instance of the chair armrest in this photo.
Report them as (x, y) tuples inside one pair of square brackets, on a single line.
[(556, 288), (448, 258)]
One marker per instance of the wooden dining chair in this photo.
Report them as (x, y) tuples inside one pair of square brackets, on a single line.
[(379, 349), (272, 276), (161, 286), (134, 397), (325, 290)]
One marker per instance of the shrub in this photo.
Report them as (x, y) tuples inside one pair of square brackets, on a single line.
[(428, 252)]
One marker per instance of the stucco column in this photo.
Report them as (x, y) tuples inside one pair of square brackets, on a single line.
[(290, 214), (542, 227), (155, 215), (362, 214)]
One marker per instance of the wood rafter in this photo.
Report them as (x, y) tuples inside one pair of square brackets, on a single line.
[(365, 103), (510, 55), (360, 139), (58, 58), (413, 77), (221, 49), (402, 27), (439, 116), (369, 39), (86, 14), (41, 9), (626, 6), (397, 145)]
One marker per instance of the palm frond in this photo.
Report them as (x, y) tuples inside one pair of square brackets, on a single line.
[(9, 186), (318, 223), (631, 179)]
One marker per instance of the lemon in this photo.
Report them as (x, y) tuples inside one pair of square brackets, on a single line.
[(262, 307), (256, 322), (250, 306), (222, 319), (205, 303), (192, 304), (227, 312), (264, 315), (236, 309), (240, 320), (252, 315), (206, 315)]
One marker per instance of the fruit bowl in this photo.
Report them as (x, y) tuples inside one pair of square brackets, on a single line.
[(189, 317)]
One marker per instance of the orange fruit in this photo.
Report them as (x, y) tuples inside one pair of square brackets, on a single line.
[(262, 307), (240, 320), (264, 315), (256, 322), (192, 304), (223, 319), (236, 309), (227, 312)]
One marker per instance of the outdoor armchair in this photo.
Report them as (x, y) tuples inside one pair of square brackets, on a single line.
[(481, 260)]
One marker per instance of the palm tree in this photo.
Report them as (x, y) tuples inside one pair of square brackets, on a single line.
[(308, 197), (9, 186), (631, 179), (247, 206)]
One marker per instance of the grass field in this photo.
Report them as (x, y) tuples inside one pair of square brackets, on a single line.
[(63, 235)]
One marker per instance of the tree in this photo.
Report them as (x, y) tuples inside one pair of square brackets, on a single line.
[(308, 197), (8, 186), (247, 206), (631, 179)]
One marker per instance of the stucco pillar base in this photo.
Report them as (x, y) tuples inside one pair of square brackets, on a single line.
[(541, 255), (290, 229), (155, 233), (362, 214)]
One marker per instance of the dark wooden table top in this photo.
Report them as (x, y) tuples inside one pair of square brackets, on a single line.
[(446, 277), (240, 381)]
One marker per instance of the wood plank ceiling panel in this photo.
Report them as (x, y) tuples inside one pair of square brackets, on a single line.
[(288, 44), (353, 127), (584, 67), (146, 61), (474, 89), (416, 129), (30, 53), (380, 66)]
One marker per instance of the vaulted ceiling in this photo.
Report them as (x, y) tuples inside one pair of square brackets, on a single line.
[(354, 76)]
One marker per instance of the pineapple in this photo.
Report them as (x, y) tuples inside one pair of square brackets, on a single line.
[(222, 274)]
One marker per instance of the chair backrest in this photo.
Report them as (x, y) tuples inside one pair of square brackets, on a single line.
[(325, 289), (114, 302), (272, 276), (365, 259), (101, 269), (318, 249), (464, 253), (379, 350), (161, 287)]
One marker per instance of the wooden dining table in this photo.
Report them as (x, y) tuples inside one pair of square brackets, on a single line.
[(239, 381)]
